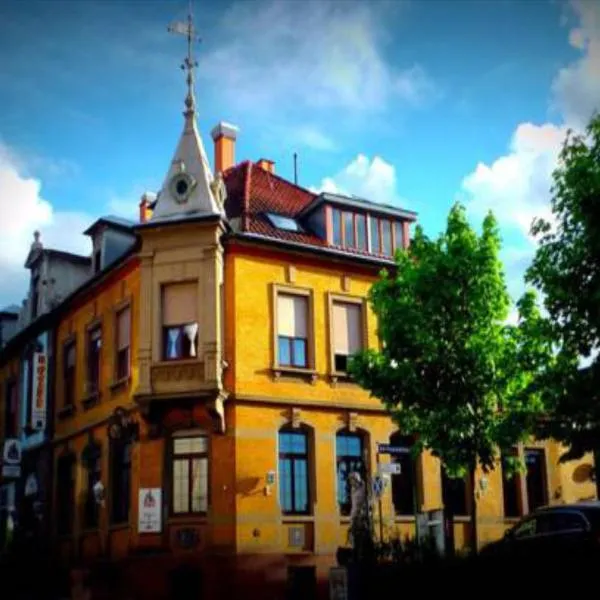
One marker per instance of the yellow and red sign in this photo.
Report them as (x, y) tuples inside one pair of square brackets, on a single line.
[(39, 384)]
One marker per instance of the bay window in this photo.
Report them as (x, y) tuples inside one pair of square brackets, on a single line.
[(180, 321)]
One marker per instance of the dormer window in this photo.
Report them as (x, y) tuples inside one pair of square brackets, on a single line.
[(349, 229)]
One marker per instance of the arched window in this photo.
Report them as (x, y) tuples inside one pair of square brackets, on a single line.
[(294, 471), (349, 458), (120, 479), (403, 484), (189, 473)]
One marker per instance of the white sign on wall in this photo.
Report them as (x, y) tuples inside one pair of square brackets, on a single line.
[(390, 469), (150, 510), (38, 396)]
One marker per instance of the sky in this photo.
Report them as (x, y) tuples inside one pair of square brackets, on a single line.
[(419, 103)]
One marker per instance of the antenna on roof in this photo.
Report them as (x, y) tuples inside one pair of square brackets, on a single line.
[(295, 168)]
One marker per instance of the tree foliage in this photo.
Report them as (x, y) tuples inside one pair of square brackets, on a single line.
[(566, 269), (451, 371)]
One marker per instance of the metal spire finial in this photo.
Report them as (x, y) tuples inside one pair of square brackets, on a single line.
[(189, 64)]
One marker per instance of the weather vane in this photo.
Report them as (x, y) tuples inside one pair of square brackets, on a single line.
[(187, 29)]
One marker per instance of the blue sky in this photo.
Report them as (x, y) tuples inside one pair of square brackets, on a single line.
[(419, 102)]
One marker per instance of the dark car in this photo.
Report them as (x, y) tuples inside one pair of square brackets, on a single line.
[(561, 532)]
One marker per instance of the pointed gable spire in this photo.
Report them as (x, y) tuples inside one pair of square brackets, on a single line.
[(187, 190)]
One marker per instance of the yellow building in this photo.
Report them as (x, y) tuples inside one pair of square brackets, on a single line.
[(202, 409)]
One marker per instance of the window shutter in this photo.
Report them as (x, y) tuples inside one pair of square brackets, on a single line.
[(123, 325), (180, 303), (347, 330), (292, 316)]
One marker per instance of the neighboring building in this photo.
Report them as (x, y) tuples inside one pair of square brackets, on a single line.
[(203, 412)]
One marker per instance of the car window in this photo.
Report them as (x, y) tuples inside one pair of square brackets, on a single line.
[(525, 529), (560, 522)]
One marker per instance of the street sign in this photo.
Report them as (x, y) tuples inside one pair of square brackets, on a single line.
[(390, 469), (389, 449), (378, 485)]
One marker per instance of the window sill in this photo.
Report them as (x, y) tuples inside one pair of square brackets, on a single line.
[(66, 411), (297, 519), (95, 530), (279, 372), (176, 361), (462, 519), (118, 384), (90, 401), (341, 377)]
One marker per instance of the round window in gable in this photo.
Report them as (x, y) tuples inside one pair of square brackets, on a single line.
[(181, 187)]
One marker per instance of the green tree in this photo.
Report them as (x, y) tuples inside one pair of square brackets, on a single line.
[(451, 371), (566, 269)]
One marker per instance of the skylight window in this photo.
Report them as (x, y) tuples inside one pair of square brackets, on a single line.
[(285, 223)]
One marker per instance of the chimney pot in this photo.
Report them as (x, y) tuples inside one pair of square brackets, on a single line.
[(224, 136), (148, 198), (266, 164)]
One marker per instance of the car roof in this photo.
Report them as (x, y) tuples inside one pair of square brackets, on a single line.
[(583, 505)]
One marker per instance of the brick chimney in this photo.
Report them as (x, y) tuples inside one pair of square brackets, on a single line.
[(266, 164), (147, 201), (224, 136)]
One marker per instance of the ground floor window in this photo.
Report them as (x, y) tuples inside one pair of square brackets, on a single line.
[(454, 494), (65, 494), (120, 492), (293, 472), (190, 474), (537, 490), (349, 459)]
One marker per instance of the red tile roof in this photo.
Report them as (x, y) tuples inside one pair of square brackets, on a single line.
[(253, 191)]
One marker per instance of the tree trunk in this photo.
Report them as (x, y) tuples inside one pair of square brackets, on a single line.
[(473, 529)]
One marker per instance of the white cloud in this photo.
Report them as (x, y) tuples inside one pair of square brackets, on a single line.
[(576, 87), (24, 210), (309, 54), (311, 137), (372, 179), (517, 186)]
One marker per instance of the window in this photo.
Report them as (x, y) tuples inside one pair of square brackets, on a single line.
[(361, 232), (349, 459), (94, 474), (293, 472), (403, 484), (349, 237), (120, 473), (454, 495), (10, 410), (65, 494), (375, 237), (94, 344), (510, 489), (525, 529), (282, 222), (190, 475), (123, 342), (337, 227), (537, 493), (398, 235), (180, 326), (69, 354), (386, 237), (564, 522), (35, 296), (347, 333), (349, 229), (292, 330)]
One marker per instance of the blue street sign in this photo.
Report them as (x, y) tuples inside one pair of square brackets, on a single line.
[(389, 449)]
